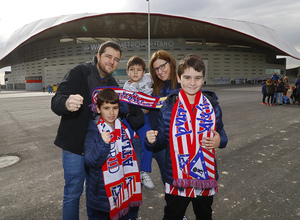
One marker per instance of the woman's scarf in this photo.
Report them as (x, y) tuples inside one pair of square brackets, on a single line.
[(120, 171), (193, 166)]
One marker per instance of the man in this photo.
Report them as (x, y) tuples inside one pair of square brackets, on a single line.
[(71, 102)]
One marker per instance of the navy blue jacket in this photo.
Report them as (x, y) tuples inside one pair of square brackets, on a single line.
[(163, 128), (95, 154)]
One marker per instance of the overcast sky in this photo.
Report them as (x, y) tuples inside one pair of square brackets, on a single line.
[(283, 16)]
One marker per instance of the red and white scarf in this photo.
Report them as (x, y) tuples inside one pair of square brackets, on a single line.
[(120, 171), (193, 166), (135, 98)]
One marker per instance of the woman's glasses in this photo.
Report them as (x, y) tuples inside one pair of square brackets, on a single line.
[(161, 67)]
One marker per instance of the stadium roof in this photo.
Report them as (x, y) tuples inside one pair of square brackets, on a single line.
[(134, 26)]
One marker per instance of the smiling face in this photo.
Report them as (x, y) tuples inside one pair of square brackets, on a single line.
[(162, 69), (108, 61), (191, 82), (135, 73), (109, 112)]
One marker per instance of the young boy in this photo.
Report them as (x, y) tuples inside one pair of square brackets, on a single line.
[(141, 82), (114, 181), (190, 126)]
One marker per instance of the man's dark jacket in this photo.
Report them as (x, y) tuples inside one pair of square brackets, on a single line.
[(73, 125)]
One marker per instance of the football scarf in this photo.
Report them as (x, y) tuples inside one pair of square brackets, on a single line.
[(135, 98), (120, 171), (193, 166)]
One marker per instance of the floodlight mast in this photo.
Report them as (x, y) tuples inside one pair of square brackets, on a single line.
[(148, 31)]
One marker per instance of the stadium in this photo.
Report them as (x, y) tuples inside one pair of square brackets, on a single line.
[(42, 52)]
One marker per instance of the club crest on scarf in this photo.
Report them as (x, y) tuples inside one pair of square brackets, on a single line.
[(117, 194)]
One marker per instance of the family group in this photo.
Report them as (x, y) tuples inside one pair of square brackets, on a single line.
[(109, 150)]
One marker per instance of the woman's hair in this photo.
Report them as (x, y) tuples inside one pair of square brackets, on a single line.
[(298, 75), (193, 61), (270, 82), (157, 83), (107, 96)]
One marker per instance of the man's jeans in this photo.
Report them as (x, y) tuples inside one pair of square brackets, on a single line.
[(74, 174), (279, 98)]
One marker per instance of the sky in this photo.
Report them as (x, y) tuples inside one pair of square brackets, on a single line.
[(281, 16)]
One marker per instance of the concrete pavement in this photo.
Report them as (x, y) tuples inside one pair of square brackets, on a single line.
[(259, 169)]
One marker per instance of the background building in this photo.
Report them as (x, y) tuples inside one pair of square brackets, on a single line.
[(42, 52)]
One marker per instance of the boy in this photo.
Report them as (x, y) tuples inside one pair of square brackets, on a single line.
[(141, 82), (190, 126), (114, 182)]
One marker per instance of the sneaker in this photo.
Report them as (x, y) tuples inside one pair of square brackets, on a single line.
[(264, 103), (146, 180), (185, 218)]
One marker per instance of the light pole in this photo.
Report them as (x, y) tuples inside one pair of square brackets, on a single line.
[(148, 30)]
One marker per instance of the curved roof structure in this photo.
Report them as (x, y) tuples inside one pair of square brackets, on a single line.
[(134, 26)]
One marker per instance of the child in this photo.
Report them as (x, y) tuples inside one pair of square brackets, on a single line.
[(114, 182), (141, 82), (190, 126)]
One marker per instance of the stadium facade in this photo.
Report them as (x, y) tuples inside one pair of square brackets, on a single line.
[(42, 52)]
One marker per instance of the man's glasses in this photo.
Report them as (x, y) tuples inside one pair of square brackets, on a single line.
[(161, 67)]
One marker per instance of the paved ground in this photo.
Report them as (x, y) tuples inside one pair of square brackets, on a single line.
[(259, 169)]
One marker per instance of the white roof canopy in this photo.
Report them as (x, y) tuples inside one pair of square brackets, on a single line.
[(134, 26)]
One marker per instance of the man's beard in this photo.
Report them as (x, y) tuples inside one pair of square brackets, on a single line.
[(101, 68)]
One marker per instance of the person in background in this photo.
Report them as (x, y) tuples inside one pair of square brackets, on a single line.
[(280, 89), (286, 85), (190, 127), (162, 68), (275, 77), (264, 92), (141, 82), (297, 84), (270, 87)]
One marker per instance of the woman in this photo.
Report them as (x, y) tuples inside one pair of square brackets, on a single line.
[(270, 91), (162, 67), (163, 71)]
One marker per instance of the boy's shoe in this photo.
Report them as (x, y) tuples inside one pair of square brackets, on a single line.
[(264, 103), (146, 180), (185, 218)]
